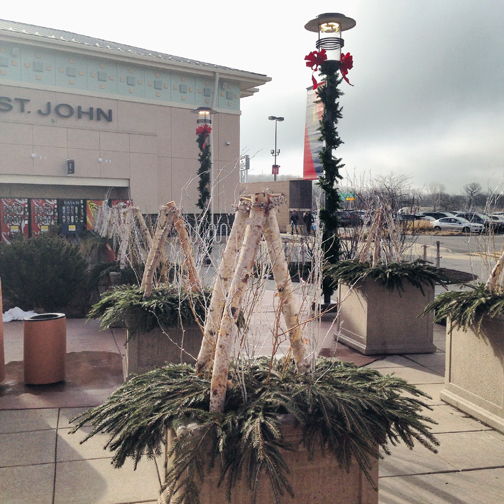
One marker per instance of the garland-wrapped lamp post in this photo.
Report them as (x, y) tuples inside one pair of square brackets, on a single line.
[(205, 171), (328, 60)]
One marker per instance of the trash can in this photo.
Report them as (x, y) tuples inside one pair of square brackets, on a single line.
[(44, 348)]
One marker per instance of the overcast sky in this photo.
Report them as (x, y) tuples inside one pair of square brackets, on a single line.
[(428, 95)]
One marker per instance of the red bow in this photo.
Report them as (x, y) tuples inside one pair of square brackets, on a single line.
[(346, 65), (206, 130), (313, 61)]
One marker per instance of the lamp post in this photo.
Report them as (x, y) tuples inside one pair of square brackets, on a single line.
[(275, 152), (205, 120), (328, 59)]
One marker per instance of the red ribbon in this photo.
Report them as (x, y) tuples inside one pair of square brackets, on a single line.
[(313, 61), (206, 130), (346, 65)]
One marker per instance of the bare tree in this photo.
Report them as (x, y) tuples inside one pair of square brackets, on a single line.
[(472, 190), (435, 191)]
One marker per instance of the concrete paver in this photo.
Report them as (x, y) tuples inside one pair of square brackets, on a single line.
[(27, 448), (468, 487), (97, 481), (28, 420), (27, 484)]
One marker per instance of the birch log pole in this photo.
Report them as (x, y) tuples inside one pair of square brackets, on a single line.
[(143, 227), (363, 255), (288, 301), (125, 223), (239, 284), (224, 273), (496, 272), (377, 238), (189, 263), (164, 224)]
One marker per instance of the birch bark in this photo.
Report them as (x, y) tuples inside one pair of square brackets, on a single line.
[(143, 226), (125, 223), (224, 273), (239, 283), (165, 221), (288, 301), (496, 272), (189, 263)]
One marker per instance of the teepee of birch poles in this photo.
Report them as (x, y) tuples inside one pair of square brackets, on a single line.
[(255, 218), (170, 215)]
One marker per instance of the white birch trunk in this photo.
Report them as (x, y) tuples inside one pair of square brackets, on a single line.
[(496, 272), (378, 234), (143, 227), (224, 273), (164, 224), (125, 223), (239, 283), (369, 240), (288, 301), (189, 263)]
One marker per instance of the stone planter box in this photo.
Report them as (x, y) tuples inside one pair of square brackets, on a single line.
[(155, 348), (474, 376), (374, 320), (315, 481)]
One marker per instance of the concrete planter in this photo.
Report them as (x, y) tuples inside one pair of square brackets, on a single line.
[(474, 376), (315, 481), (374, 320), (155, 348)]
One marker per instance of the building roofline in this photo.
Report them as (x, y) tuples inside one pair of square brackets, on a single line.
[(65, 41)]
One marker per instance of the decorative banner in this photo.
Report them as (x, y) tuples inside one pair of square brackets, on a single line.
[(312, 168), (44, 213), (14, 215), (92, 209)]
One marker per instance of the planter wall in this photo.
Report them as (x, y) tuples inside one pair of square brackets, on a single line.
[(155, 348), (315, 481), (475, 371), (374, 320)]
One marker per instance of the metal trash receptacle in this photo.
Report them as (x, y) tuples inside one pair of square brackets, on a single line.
[(44, 348)]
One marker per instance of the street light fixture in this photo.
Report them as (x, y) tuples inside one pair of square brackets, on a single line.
[(275, 152), (329, 27), (204, 115)]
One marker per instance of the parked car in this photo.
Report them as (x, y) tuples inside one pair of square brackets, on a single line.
[(426, 218), (497, 222), (435, 215), (349, 219), (457, 224), (478, 218)]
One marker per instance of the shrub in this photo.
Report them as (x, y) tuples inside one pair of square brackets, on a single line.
[(42, 272)]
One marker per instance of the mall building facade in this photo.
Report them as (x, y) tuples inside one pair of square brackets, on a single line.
[(86, 119)]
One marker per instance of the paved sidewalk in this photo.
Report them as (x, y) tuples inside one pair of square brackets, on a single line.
[(40, 463)]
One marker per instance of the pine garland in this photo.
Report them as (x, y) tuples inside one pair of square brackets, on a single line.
[(467, 308), (168, 306), (344, 409), (329, 94), (204, 170), (392, 275)]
